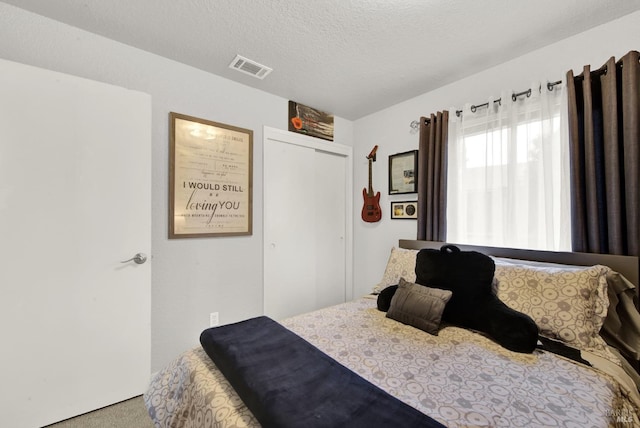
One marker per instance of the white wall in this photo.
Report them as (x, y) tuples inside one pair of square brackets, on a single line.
[(196, 276), (191, 277), (389, 128)]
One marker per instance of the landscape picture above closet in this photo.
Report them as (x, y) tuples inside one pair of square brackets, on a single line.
[(309, 121)]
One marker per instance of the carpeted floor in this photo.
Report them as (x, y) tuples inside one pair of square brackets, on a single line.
[(127, 414)]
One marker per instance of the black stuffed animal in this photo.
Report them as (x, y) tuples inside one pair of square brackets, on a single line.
[(469, 275), (385, 296)]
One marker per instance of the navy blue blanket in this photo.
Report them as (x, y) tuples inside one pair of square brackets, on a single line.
[(287, 382)]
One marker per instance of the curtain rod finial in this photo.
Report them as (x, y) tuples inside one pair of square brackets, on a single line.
[(415, 126)]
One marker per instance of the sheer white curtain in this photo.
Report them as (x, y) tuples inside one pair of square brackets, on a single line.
[(508, 172)]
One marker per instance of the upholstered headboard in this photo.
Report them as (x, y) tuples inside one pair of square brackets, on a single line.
[(626, 265)]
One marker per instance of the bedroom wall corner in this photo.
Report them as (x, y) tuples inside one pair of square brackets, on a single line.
[(190, 277), (389, 128)]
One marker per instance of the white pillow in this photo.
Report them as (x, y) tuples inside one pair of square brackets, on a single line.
[(567, 303), (401, 264), (621, 328)]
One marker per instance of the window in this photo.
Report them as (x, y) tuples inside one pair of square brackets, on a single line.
[(508, 175)]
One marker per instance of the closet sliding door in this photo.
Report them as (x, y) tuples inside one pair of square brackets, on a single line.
[(307, 223)]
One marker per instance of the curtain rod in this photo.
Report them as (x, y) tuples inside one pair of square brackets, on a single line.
[(514, 97), (550, 85)]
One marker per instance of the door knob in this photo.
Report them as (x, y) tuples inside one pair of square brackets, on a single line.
[(138, 259)]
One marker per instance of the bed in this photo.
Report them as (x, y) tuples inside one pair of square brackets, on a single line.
[(459, 377)]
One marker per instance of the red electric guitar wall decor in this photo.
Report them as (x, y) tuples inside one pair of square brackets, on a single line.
[(371, 212)]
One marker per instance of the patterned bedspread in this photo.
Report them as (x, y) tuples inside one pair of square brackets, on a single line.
[(459, 378)]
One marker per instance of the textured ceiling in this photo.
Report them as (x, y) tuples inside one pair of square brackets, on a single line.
[(346, 57)]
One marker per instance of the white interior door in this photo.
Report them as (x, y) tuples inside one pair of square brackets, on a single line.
[(307, 223), (74, 202)]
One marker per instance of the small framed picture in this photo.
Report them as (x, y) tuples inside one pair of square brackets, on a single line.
[(404, 210), (403, 173)]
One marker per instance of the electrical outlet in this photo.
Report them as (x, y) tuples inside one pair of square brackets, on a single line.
[(214, 319)]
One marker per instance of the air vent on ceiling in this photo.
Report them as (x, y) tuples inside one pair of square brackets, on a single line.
[(247, 66)]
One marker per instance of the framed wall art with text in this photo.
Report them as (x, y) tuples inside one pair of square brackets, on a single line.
[(210, 178)]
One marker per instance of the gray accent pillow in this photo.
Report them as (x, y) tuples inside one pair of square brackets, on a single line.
[(418, 306)]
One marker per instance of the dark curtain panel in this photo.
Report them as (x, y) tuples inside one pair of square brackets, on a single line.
[(604, 132), (432, 177)]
